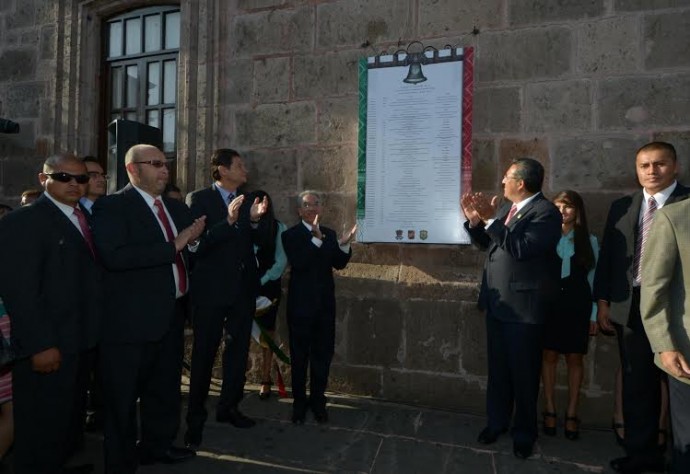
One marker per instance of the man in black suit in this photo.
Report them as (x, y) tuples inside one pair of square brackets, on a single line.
[(142, 237), (313, 251), (51, 285), (617, 292), (225, 281), (517, 288)]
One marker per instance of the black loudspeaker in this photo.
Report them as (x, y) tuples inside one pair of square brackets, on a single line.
[(122, 135)]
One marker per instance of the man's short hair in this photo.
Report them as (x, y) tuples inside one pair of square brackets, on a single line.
[(221, 157), (91, 159), (664, 147), (52, 162), (308, 192), (33, 192), (531, 172)]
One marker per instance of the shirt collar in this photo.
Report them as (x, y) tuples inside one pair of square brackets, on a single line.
[(307, 225), (224, 193), (87, 203), (147, 197), (662, 195), (66, 209), (524, 202)]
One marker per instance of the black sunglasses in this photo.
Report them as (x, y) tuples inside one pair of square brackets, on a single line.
[(154, 163), (67, 177)]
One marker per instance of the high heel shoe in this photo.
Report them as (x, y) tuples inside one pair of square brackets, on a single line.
[(572, 435), (265, 392), (615, 426), (549, 430)]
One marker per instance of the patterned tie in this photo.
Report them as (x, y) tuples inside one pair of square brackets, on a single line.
[(511, 213), (171, 237), (85, 230), (642, 238)]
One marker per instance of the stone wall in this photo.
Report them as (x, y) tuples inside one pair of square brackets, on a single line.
[(578, 85)]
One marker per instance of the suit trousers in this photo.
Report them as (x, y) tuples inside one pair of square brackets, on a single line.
[(514, 353), (312, 342), (641, 385), (679, 393), (209, 323), (46, 415), (150, 372)]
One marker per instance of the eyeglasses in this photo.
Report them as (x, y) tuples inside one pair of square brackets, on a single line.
[(154, 163), (67, 177), (505, 176), (96, 174), (311, 205)]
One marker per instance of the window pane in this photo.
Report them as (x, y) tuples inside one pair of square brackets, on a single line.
[(117, 87), (133, 36), (115, 39), (153, 118), (152, 33), (172, 30), (131, 116), (132, 86), (169, 130), (169, 82), (153, 84)]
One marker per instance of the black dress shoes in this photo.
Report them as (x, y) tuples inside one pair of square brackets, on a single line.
[(489, 436), (235, 417), (172, 455), (522, 450), (320, 414), (299, 413), (192, 441), (638, 465)]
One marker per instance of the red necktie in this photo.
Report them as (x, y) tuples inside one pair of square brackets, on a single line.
[(171, 237), (511, 213), (85, 230)]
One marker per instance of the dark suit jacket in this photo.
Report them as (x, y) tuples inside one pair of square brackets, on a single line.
[(311, 289), (140, 286), (614, 274), (51, 285), (522, 268), (226, 252)]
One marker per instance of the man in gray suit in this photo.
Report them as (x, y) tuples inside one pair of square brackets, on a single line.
[(665, 310)]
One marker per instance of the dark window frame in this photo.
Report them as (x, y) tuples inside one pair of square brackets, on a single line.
[(141, 60)]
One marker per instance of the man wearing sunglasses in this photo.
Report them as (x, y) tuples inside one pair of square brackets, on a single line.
[(142, 238), (51, 283)]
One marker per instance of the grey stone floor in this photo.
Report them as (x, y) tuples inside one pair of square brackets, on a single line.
[(366, 436)]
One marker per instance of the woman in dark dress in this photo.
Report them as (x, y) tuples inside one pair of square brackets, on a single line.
[(272, 262), (573, 320)]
